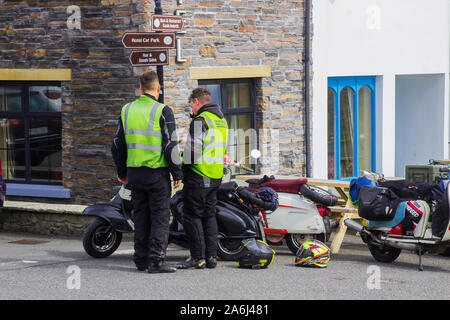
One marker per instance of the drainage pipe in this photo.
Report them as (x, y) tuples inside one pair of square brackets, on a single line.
[(307, 85)]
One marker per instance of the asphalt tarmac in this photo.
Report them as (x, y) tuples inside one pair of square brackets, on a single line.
[(36, 267)]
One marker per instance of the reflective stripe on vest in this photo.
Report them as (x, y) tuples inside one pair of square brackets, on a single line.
[(140, 120), (213, 148)]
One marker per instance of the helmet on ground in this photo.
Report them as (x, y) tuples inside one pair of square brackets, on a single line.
[(256, 255), (312, 254)]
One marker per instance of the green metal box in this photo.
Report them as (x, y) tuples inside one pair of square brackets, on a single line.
[(425, 173)]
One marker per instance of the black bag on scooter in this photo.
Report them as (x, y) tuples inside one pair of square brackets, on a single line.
[(408, 190), (377, 203)]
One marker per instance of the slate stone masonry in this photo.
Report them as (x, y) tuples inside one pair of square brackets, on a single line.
[(219, 33)]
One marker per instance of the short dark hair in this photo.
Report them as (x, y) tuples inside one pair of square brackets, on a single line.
[(202, 94), (149, 80)]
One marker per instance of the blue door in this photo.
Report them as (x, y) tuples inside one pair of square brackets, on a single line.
[(351, 126)]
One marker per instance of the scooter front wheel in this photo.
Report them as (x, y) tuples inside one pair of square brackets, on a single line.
[(100, 239)]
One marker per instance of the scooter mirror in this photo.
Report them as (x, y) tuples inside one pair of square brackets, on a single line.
[(255, 153)]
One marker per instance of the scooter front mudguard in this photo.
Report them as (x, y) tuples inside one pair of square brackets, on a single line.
[(111, 214)]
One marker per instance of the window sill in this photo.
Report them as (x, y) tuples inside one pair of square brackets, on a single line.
[(33, 190)]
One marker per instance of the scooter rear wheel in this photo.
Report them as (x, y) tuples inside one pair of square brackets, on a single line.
[(386, 254), (100, 240), (229, 249)]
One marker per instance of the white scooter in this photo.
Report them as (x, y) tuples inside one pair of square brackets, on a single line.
[(302, 213)]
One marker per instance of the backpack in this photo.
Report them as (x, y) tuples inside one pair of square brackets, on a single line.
[(377, 203), (355, 184)]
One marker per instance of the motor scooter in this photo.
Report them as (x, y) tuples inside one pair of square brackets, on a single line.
[(430, 232), (237, 219), (302, 213)]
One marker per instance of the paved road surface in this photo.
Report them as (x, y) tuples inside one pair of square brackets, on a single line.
[(46, 267)]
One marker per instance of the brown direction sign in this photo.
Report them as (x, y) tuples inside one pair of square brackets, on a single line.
[(146, 40), (167, 23), (149, 58)]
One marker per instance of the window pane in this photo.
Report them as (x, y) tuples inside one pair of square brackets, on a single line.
[(10, 98), (347, 131), (12, 149), (45, 150), (45, 99), (241, 139), (331, 130), (215, 93), (365, 128), (238, 95)]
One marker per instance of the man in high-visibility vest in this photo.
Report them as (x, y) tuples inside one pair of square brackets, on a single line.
[(145, 150), (203, 160)]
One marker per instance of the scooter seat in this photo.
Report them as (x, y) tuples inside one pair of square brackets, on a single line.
[(283, 185), (398, 218)]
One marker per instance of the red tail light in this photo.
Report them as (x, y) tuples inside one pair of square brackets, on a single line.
[(0, 167), (52, 94), (15, 122), (323, 211)]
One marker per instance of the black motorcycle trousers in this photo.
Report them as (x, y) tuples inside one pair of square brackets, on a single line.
[(151, 214), (200, 222)]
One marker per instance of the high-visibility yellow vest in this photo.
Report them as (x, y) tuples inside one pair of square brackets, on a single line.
[(140, 120), (214, 147)]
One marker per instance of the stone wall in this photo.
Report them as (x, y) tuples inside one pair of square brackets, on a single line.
[(34, 34)]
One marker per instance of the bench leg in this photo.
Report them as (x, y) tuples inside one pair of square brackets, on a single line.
[(339, 235)]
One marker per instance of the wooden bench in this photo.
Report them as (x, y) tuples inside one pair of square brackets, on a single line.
[(342, 211)]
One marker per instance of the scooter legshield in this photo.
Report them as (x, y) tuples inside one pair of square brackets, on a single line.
[(232, 222), (111, 214)]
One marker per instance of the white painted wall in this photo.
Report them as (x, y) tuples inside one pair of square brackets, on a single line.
[(382, 38), (419, 123)]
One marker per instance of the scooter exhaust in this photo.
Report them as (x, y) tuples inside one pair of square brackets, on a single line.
[(354, 225), (390, 242)]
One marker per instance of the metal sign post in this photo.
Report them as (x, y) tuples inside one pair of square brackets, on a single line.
[(160, 69)]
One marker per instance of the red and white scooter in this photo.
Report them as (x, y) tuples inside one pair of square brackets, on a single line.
[(302, 213)]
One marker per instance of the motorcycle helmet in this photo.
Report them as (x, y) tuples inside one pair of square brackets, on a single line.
[(257, 255), (312, 254)]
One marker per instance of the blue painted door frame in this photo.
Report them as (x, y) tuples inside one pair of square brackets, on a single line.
[(337, 84)]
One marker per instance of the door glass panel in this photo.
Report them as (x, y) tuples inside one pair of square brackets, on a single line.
[(365, 128), (331, 131), (12, 149), (45, 150), (347, 131)]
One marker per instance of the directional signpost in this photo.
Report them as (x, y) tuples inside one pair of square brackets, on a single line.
[(147, 40), (167, 23), (156, 43), (149, 58)]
